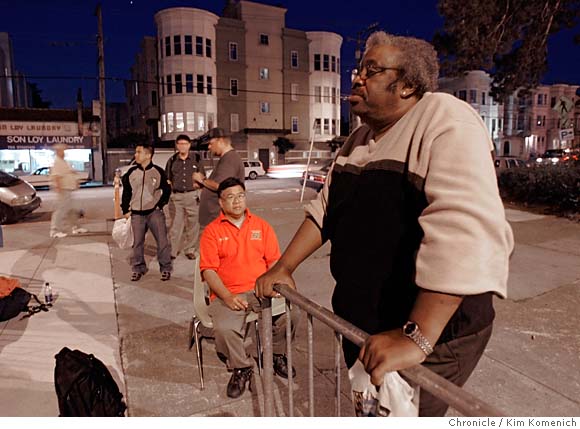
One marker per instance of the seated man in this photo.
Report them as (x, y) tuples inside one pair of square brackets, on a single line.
[(236, 248)]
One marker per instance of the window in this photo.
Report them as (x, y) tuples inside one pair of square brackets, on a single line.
[(163, 124), (264, 107), (334, 95), (200, 121), (316, 61), (199, 46), (472, 96), (189, 83), (294, 124), (317, 125), (325, 63), (209, 85), (264, 73), (327, 94), (540, 99), (210, 120), (233, 51), (294, 59), (264, 39), (463, 95), (334, 126), (337, 66), (162, 87), (333, 63), (176, 45), (167, 46), (493, 126), (188, 40), (318, 94), (234, 122), (161, 47), (483, 98), (294, 92), (154, 98), (552, 101), (208, 48), (200, 84), (170, 122), (190, 121), (178, 88), (179, 121), (234, 87), (169, 85), (326, 126), (136, 87)]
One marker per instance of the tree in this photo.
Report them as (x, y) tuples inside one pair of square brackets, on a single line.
[(283, 145), (507, 38), (36, 95)]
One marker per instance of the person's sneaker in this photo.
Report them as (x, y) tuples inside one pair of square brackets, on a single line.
[(58, 234), (165, 275), (135, 277), (78, 230), (237, 383), (281, 366)]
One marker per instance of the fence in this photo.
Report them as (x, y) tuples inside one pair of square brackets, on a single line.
[(464, 402)]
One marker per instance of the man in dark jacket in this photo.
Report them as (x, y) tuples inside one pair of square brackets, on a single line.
[(145, 192)]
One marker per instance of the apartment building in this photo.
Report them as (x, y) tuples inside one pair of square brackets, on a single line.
[(243, 71), (529, 122), (13, 86)]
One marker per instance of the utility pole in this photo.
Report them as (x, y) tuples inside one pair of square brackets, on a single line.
[(102, 95)]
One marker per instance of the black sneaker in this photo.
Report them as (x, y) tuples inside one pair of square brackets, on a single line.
[(281, 366), (237, 383)]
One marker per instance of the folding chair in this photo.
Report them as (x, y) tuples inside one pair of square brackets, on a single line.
[(201, 318)]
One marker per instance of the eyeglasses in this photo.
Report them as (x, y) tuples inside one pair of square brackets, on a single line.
[(231, 197), (371, 69)]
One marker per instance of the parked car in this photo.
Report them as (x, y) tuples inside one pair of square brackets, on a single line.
[(17, 198), (253, 169), (316, 178), (40, 178), (555, 156), (504, 162), (287, 171)]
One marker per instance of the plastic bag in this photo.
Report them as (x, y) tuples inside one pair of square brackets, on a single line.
[(123, 233), (394, 398)]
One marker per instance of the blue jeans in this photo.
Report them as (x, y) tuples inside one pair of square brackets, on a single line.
[(155, 222)]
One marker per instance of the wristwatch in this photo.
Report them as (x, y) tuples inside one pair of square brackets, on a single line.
[(412, 331)]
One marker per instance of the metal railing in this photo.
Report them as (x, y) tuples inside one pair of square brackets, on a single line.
[(457, 398)]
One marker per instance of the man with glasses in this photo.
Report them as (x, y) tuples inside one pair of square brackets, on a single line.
[(236, 248), (184, 202), (420, 243), (229, 165)]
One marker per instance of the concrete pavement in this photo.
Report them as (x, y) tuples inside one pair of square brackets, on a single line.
[(140, 330)]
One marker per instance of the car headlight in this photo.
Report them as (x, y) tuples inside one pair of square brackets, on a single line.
[(19, 201), (555, 160), (539, 160)]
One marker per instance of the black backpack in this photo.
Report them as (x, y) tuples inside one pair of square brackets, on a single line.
[(17, 302), (84, 386)]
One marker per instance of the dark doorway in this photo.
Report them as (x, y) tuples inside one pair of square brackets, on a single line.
[(506, 148), (264, 157)]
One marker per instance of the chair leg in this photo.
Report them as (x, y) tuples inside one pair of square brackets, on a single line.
[(198, 351), (258, 347), (191, 338)]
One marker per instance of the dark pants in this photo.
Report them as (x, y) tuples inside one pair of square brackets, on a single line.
[(454, 360), (155, 222)]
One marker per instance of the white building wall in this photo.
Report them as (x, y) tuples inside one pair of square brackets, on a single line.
[(324, 107), (197, 110)]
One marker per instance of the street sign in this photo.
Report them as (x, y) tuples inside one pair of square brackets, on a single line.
[(567, 134)]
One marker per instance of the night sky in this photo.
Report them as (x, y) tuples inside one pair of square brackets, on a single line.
[(58, 38)]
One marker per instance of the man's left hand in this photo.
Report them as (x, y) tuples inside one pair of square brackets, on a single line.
[(389, 351)]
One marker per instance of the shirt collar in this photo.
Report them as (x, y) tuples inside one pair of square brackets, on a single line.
[(222, 217)]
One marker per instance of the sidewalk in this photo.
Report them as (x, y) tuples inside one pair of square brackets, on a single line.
[(140, 330)]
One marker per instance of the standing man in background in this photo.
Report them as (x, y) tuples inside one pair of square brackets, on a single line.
[(229, 165), (145, 192), (64, 180), (184, 202)]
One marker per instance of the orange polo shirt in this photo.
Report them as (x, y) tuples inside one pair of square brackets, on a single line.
[(238, 256)]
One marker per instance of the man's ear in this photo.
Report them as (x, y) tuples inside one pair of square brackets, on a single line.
[(407, 91)]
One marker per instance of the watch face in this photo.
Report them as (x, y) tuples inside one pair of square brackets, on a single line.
[(409, 328)]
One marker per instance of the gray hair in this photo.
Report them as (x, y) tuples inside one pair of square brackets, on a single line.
[(418, 60)]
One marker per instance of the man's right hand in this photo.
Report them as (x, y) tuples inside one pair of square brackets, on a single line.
[(278, 274), (236, 302), (197, 177)]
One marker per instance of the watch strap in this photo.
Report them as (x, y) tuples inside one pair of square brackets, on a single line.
[(418, 338)]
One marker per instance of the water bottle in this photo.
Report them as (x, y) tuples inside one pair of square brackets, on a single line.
[(47, 293)]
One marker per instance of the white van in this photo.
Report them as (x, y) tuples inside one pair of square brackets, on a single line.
[(254, 169)]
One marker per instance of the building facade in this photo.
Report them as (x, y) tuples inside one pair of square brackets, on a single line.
[(529, 122), (13, 86), (245, 72)]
